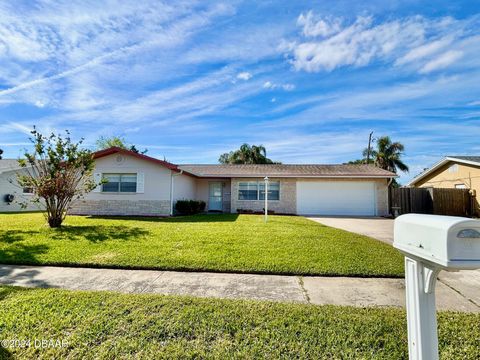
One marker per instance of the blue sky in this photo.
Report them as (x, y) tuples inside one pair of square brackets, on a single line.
[(191, 80)]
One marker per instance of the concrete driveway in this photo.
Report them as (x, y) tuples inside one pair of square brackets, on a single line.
[(465, 282), (377, 228)]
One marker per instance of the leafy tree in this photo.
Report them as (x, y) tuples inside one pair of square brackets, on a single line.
[(1, 152), (360, 161), (246, 154), (58, 171), (388, 155), (116, 141)]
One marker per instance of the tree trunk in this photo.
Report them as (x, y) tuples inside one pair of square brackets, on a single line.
[(55, 221)]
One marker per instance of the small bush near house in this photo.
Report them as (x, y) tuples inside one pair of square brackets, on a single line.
[(190, 207)]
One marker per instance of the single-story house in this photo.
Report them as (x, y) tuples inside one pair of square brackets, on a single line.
[(143, 185), (456, 172)]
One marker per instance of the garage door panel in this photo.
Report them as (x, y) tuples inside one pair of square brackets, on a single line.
[(336, 198)]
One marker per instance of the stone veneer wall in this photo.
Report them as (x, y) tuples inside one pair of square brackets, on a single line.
[(286, 205), (121, 207)]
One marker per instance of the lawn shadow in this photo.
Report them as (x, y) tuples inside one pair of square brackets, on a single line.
[(204, 218), (16, 253), (98, 233), (12, 236), (177, 219), (94, 234), (20, 276), (5, 354)]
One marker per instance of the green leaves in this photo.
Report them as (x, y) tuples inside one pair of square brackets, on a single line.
[(255, 154), (58, 171)]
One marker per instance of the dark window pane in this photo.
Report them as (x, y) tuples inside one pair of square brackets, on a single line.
[(111, 186), (273, 191), (128, 187), (248, 190), (247, 195)]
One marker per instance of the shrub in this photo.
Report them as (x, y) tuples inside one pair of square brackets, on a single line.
[(190, 207)]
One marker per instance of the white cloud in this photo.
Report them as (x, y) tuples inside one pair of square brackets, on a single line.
[(273, 100), (328, 44), (442, 61), (318, 27), (55, 41), (244, 76), (474, 103), (424, 50), (269, 85)]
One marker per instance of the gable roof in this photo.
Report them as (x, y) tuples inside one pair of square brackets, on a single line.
[(286, 170), (117, 150), (467, 160)]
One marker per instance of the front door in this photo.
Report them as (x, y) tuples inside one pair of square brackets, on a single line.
[(215, 196)]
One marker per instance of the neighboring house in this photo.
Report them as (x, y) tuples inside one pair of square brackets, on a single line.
[(8, 186), (142, 185), (460, 172)]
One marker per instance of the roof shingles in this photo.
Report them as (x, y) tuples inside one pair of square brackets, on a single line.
[(280, 170)]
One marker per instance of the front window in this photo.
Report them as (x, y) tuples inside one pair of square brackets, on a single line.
[(248, 190), (273, 190), (123, 183), (255, 190)]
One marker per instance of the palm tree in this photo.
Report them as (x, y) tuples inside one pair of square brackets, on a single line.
[(388, 155), (246, 154)]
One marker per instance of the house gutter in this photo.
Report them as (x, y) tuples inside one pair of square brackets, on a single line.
[(172, 188)]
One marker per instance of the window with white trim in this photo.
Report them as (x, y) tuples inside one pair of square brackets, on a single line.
[(255, 190), (120, 183)]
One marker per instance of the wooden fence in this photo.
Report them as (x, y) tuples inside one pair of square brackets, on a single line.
[(438, 201)]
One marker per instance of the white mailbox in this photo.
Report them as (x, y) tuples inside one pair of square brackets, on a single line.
[(431, 243), (449, 241)]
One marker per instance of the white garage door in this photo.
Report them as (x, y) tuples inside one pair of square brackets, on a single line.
[(336, 198)]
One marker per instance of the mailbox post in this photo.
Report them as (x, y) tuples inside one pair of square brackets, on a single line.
[(266, 198), (431, 243)]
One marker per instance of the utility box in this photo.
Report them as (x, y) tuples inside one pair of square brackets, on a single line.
[(449, 241)]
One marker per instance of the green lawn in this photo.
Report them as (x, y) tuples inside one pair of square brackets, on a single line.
[(105, 325), (235, 243)]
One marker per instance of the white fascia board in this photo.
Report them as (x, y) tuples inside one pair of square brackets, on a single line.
[(301, 176), (439, 165)]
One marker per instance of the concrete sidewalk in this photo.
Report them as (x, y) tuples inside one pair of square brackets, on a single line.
[(314, 289), (465, 282)]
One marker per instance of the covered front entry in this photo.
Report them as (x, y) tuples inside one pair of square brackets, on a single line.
[(347, 198), (215, 198)]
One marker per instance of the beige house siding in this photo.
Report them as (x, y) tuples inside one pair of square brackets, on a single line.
[(155, 200), (286, 205), (467, 175), (9, 185), (184, 187)]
